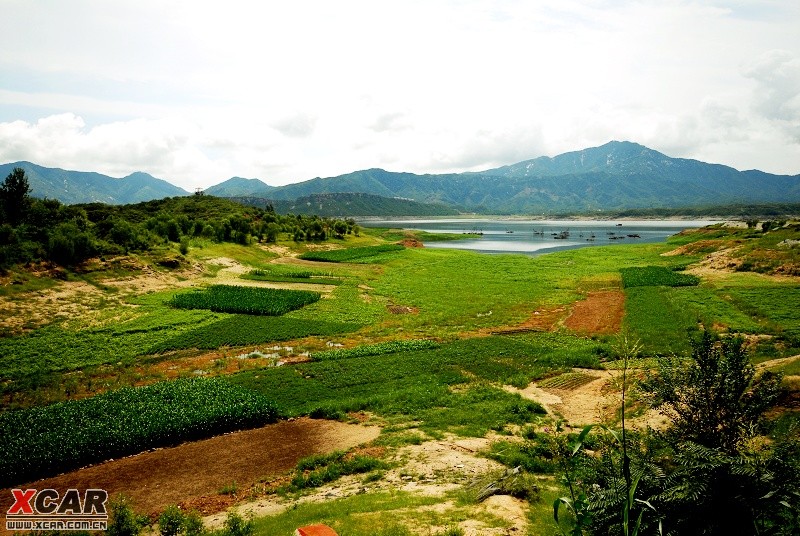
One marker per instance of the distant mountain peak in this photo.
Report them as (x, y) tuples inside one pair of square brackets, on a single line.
[(239, 187)]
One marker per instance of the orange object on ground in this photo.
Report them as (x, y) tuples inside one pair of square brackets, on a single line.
[(315, 530)]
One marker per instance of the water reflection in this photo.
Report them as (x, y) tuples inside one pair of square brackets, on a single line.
[(534, 237)]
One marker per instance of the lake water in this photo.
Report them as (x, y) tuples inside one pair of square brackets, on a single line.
[(534, 237)]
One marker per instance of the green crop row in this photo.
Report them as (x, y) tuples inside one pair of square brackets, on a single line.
[(656, 276), (245, 300), (303, 274), (380, 348), (290, 277), (63, 436), (365, 254), (244, 330)]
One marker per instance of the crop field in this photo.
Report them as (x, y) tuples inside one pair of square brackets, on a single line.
[(653, 276), (415, 382), (425, 343), (389, 347), (246, 330), (56, 348), (289, 275), (59, 437), (366, 254), (245, 300)]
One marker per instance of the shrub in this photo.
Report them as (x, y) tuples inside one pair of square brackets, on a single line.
[(235, 525), (171, 521), (123, 521)]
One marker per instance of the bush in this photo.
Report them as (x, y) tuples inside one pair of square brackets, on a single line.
[(123, 521), (235, 525), (171, 521)]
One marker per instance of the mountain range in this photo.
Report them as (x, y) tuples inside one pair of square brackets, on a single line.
[(72, 187), (614, 176)]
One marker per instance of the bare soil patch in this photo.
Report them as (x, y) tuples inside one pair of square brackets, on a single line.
[(601, 313), (542, 319), (594, 401), (431, 468), (156, 479), (411, 243)]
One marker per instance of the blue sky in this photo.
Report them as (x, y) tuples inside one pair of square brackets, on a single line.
[(196, 92)]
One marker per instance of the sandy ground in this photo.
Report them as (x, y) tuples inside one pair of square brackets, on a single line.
[(431, 468), (595, 402)]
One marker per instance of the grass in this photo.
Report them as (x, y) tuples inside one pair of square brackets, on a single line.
[(315, 471), (792, 368), (370, 514), (454, 387), (455, 291)]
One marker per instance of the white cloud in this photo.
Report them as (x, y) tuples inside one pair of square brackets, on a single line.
[(196, 92)]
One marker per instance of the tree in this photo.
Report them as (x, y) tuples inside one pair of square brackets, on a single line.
[(712, 471), (14, 196), (717, 399), (722, 476)]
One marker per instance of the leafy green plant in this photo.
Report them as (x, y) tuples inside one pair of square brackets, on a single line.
[(236, 525), (123, 521), (171, 521), (193, 524), (245, 300), (653, 276)]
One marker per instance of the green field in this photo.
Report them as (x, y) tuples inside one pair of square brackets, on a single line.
[(245, 300), (45, 441), (423, 340)]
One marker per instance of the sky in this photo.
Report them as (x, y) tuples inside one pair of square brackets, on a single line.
[(196, 92)]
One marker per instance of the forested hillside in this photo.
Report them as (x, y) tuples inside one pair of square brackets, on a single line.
[(34, 229)]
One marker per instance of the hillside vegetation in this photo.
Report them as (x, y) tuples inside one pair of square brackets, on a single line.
[(36, 230), (456, 356)]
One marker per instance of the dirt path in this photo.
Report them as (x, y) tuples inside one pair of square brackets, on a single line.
[(156, 479), (777, 362)]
